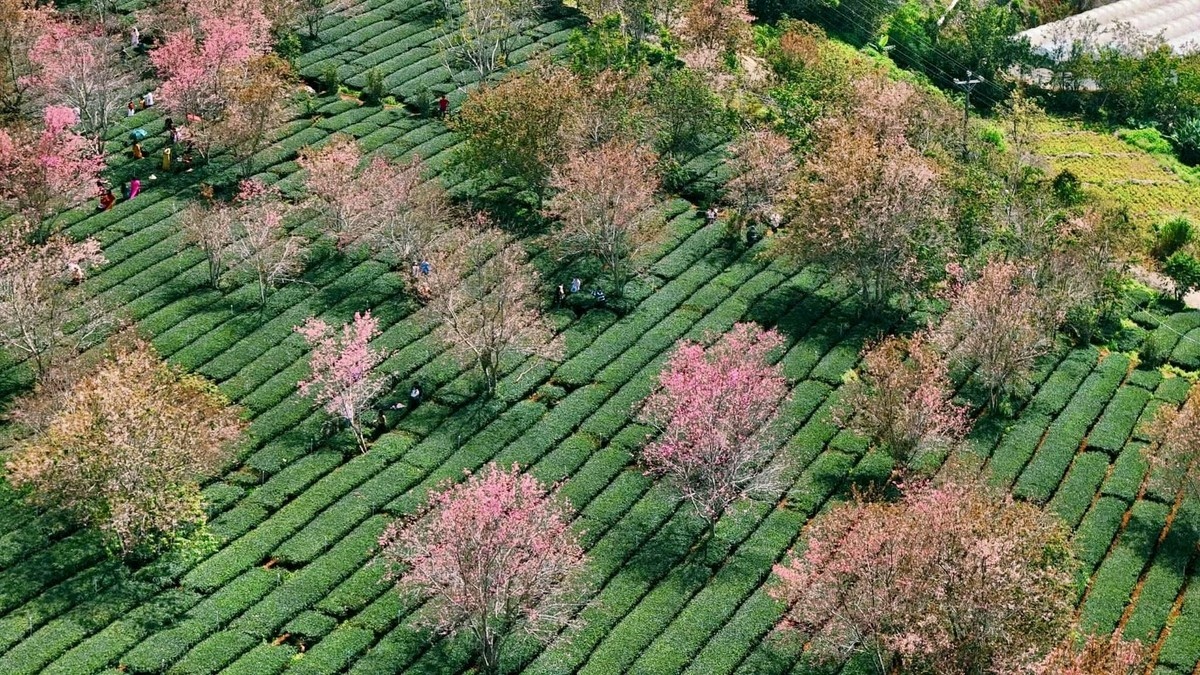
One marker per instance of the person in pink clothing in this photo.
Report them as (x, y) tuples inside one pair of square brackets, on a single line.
[(135, 186)]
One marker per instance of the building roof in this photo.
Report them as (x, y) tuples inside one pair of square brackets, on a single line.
[(1177, 21)]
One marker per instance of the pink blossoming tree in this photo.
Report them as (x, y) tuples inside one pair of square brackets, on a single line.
[(764, 168), (80, 67), (900, 398), (204, 56), (483, 297), (713, 411), (950, 579), (996, 328), (260, 244), (389, 206), (606, 209), (495, 555), (43, 171), (344, 379)]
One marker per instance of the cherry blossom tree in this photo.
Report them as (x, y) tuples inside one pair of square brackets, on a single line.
[(344, 380), (483, 294), (606, 209), (873, 207), (950, 579), (1176, 450), (389, 206), (205, 55), (996, 328), (332, 177), (22, 22), (900, 398), (127, 446), (44, 313), (260, 243), (764, 168), (496, 557), (713, 411), (80, 67), (44, 171), (1093, 655)]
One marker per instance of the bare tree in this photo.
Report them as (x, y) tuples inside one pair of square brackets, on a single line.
[(484, 296), (482, 35), (44, 312), (261, 244)]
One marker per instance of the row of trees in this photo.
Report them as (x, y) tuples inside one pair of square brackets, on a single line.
[(951, 577)]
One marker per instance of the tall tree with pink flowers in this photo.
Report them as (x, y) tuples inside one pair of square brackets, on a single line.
[(713, 411), (496, 557), (80, 66), (344, 379), (956, 579), (900, 398), (46, 169), (207, 54)]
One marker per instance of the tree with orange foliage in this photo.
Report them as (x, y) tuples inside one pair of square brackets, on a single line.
[(873, 208), (127, 446)]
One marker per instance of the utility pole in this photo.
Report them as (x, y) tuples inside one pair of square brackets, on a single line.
[(967, 85)]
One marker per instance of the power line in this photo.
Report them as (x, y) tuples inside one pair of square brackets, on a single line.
[(861, 22)]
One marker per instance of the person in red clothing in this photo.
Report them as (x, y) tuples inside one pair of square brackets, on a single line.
[(107, 200), (443, 106)]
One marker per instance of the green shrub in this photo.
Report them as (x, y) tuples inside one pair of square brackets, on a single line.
[(1068, 188), (329, 79), (1186, 140), (1156, 349), (1171, 236), (287, 45), (373, 90), (1183, 269)]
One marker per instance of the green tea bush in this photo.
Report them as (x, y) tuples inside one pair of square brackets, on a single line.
[(1182, 646), (264, 659), (1096, 531), (1074, 494), (335, 652), (1127, 473), (1163, 581), (1119, 419)]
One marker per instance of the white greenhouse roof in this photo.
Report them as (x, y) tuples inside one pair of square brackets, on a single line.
[(1177, 21)]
